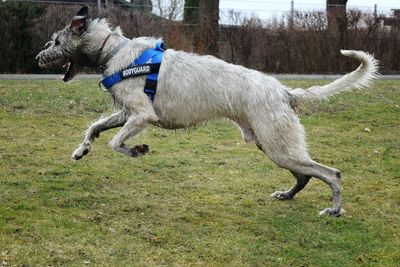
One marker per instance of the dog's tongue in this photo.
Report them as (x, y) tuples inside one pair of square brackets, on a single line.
[(68, 67)]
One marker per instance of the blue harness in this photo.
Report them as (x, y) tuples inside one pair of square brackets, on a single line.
[(139, 67)]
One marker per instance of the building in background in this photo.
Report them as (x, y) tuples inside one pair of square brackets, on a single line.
[(393, 21)]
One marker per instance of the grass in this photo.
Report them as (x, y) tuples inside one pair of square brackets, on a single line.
[(202, 196)]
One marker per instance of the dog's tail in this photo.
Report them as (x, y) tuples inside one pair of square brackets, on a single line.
[(360, 78)]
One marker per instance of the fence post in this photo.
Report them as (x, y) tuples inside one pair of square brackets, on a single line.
[(292, 8), (291, 21), (290, 37)]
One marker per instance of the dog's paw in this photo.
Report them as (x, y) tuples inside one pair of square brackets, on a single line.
[(139, 150), (281, 195), (81, 151), (331, 212)]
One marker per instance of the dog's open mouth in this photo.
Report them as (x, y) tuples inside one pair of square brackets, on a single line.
[(68, 68)]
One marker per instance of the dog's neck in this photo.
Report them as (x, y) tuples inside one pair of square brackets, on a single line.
[(107, 51), (101, 44), (98, 43)]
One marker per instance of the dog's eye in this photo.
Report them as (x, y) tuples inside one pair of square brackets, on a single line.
[(47, 45), (57, 42)]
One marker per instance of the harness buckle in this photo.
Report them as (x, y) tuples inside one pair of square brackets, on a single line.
[(160, 46), (102, 87)]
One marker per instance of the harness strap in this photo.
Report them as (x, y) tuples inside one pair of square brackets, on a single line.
[(148, 63), (131, 71), (155, 55)]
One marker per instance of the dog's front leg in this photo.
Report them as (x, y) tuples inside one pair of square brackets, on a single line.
[(134, 125), (116, 120)]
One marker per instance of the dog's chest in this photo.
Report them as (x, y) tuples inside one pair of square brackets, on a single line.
[(176, 118)]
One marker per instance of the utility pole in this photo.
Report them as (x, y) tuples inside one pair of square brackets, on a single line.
[(291, 14)]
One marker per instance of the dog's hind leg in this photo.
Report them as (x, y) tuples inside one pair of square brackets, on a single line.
[(302, 181), (304, 169), (116, 120), (328, 175), (134, 125), (331, 177), (283, 141)]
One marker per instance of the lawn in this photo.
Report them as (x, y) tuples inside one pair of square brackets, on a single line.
[(202, 196)]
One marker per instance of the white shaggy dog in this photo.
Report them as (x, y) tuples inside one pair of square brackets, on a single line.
[(192, 89)]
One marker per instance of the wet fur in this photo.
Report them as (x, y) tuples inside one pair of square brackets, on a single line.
[(193, 89)]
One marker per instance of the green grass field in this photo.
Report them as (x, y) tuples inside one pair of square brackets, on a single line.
[(202, 196)]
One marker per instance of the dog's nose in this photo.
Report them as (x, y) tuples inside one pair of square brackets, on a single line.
[(48, 44), (39, 61), (37, 58)]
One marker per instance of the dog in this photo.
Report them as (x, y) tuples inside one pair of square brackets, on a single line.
[(192, 89)]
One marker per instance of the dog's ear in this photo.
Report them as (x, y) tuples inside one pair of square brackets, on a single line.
[(83, 12), (79, 21)]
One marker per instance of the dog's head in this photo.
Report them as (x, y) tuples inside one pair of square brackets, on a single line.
[(65, 47)]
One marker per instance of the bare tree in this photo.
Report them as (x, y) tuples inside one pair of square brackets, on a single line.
[(169, 9)]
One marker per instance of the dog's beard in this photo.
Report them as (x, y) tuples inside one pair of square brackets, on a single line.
[(67, 64)]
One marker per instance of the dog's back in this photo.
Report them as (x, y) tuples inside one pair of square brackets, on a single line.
[(205, 87)]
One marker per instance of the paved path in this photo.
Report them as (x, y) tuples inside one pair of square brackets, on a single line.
[(45, 76), (97, 77)]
